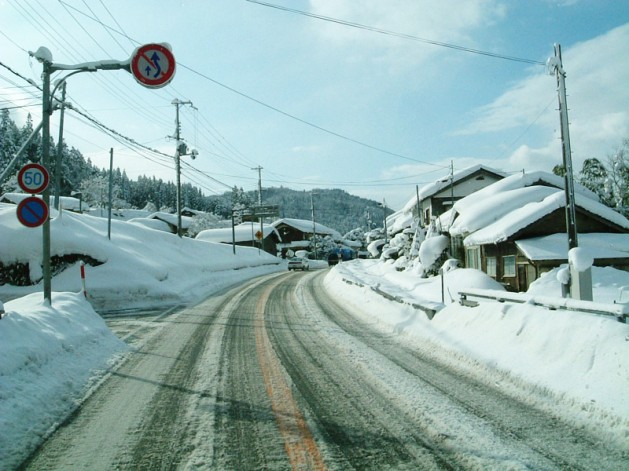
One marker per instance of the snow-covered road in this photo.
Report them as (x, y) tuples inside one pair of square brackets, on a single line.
[(275, 374)]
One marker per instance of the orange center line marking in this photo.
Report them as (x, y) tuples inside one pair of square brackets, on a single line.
[(299, 443)]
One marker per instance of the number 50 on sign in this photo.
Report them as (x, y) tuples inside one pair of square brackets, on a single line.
[(33, 178)]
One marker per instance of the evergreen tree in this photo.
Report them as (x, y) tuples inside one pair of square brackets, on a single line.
[(593, 176), (617, 182)]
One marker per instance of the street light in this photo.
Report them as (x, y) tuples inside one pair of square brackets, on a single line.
[(44, 56)]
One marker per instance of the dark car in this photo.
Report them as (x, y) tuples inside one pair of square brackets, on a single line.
[(333, 259)]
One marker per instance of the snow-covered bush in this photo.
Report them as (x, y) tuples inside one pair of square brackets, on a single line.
[(433, 254)]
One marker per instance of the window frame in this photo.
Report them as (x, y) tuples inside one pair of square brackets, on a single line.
[(505, 273), (491, 266)]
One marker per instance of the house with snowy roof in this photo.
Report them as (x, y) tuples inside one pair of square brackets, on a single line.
[(438, 197), (515, 229), (246, 234), (166, 221), (296, 233)]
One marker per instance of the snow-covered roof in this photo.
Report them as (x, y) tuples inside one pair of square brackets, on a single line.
[(67, 202), (243, 232), (555, 246), (511, 222), (305, 226), (399, 221), (444, 182), (516, 181), (156, 224), (171, 219), (494, 207)]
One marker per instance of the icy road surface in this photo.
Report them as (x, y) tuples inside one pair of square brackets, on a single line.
[(276, 375)]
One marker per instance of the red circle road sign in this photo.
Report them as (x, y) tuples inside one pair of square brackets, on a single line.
[(32, 211), (153, 65), (33, 178)]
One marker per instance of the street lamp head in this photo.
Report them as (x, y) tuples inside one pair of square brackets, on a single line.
[(42, 54)]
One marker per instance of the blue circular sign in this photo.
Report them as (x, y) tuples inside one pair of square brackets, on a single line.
[(32, 212)]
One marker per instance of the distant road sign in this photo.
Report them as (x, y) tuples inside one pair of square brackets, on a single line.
[(153, 65), (33, 178), (32, 212)]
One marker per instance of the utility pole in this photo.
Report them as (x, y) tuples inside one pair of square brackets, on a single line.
[(46, 112), (180, 150), (314, 224), (259, 169), (60, 149), (419, 209), (556, 66), (384, 208), (580, 282), (452, 184), (111, 189)]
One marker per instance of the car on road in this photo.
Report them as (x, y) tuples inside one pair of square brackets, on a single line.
[(298, 263), (333, 259)]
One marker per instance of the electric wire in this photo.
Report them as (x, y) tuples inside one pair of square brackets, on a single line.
[(273, 108), (399, 35), (233, 155)]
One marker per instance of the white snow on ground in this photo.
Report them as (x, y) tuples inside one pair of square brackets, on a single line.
[(571, 363), (52, 356)]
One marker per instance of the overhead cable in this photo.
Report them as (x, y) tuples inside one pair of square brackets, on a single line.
[(399, 35)]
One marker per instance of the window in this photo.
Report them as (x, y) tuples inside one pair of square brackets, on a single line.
[(491, 266), (508, 265), (472, 258)]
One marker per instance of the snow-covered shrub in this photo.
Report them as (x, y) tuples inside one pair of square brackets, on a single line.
[(433, 254)]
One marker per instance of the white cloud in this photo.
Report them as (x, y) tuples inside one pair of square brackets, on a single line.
[(597, 74), (450, 21)]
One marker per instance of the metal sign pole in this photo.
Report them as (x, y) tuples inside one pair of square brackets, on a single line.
[(46, 112)]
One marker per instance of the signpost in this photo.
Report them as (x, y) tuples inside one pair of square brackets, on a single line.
[(33, 178), (262, 211), (153, 65), (32, 212)]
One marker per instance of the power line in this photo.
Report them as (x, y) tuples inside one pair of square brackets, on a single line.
[(303, 121), (399, 35), (260, 102)]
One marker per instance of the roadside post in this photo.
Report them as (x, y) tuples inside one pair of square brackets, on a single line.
[(152, 65), (83, 278)]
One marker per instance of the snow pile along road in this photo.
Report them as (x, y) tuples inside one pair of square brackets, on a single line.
[(566, 362), (50, 359), (139, 267)]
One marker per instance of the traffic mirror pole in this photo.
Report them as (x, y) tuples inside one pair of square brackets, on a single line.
[(152, 65)]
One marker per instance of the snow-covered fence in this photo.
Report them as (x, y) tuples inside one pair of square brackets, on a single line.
[(619, 310)]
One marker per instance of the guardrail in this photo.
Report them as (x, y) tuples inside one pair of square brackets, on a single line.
[(618, 310), (430, 313)]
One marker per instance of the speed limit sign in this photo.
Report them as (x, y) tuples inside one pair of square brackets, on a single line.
[(33, 178)]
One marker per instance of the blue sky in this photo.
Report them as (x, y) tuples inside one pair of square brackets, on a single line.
[(246, 67)]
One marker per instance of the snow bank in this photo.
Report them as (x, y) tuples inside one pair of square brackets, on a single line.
[(50, 356), (141, 267), (569, 363)]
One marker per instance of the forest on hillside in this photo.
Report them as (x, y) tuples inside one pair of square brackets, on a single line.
[(334, 208)]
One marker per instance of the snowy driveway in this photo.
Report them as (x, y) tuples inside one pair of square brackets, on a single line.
[(275, 375)]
